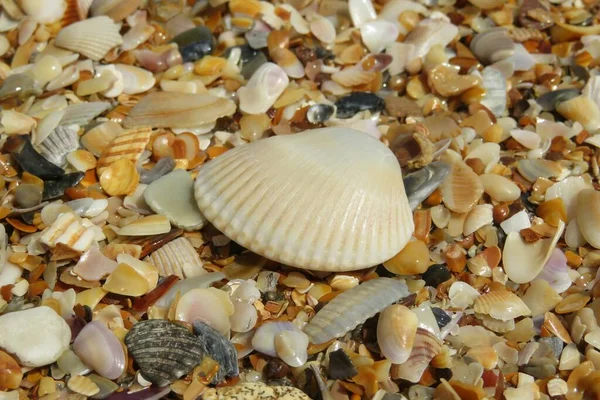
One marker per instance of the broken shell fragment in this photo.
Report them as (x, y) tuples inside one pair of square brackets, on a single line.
[(98, 347), (420, 184), (426, 346), (178, 110), (128, 145), (173, 196), (322, 146), (82, 37), (501, 304), (150, 225), (172, 258), (219, 348), (588, 209), (205, 305), (461, 189), (516, 250)]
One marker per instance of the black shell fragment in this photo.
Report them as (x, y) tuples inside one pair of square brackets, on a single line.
[(30, 160), (56, 188), (350, 105), (163, 350), (195, 43), (341, 366), (441, 317), (436, 274), (218, 348), (420, 184)]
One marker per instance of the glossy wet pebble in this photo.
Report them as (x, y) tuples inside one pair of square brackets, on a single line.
[(173, 196), (436, 274), (18, 85), (28, 195), (37, 336)]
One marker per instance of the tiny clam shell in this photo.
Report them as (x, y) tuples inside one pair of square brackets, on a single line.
[(263, 340), (253, 220), (588, 215), (207, 306), (262, 90), (501, 304), (426, 346), (129, 145), (171, 258), (523, 261), (82, 37), (291, 347), (178, 110), (352, 307), (461, 189), (98, 347), (396, 332)]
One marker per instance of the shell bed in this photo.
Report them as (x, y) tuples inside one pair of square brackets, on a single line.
[(300, 199)]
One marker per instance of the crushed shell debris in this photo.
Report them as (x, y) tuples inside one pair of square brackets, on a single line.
[(300, 199)]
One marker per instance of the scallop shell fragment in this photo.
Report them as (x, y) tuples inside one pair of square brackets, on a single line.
[(501, 304), (172, 258), (178, 110), (523, 261), (426, 346), (83, 385), (461, 189), (128, 145), (68, 230), (352, 307), (59, 143), (163, 350), (83, 37), (308, 174)]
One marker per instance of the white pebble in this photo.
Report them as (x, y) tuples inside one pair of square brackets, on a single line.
[(37, 336)]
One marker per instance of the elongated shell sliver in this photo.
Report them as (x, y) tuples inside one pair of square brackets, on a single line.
[(353, 307), (328, 199)]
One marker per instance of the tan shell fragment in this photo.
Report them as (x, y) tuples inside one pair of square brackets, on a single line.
[(462, 188), (171, 258), (151, 225), (588, 215), (501, 304), (426, 346), (523, 261), (290, 195), (93, 37), (128, 145), (178, 110), (83, 385), (68, 230)]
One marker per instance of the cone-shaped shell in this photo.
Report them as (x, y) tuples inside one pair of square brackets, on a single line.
[(328, 199), (92, 37)]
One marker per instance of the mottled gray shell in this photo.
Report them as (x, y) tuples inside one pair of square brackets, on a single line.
[(163, 350), (217, 347), (354, 306), (254, 391)]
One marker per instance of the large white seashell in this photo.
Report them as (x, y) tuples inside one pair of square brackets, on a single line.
[(523, 261), (93, 37), (262, 90), (329, 199), (44, 11)]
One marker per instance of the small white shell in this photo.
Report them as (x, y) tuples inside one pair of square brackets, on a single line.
[(361, 11), (396, 332), (208, 306), (523, 261), (262, 90), (44, 11), (323, 29), (291, 347), (244, 317), (264, 337), (268, 225), (378, 34), (529, 139), (480, 216), (171, 258), (83, 37)]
